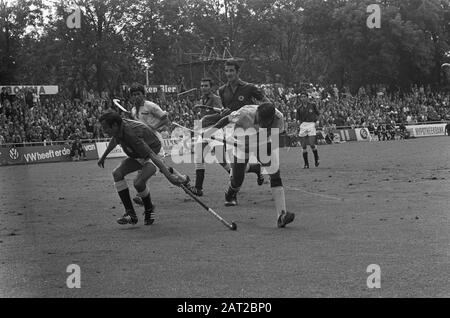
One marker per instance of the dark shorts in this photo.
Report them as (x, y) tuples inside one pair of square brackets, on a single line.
[(210, 120), (156, 148)]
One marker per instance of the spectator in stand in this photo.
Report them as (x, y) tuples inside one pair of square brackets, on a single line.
[(29, 97), (16, 139), (4, 96), (77, 147)]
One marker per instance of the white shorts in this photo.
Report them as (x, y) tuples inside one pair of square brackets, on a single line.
[(307, 129), (143, 162), (161, 152)]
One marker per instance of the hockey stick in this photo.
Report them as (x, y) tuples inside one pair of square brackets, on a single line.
[(231, 226), (187, 92), (116, 102), (216, 109)]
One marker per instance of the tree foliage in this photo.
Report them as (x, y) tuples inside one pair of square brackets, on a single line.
[(281, 40)]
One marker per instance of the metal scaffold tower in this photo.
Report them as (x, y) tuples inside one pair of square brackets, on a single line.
[(208, 63)]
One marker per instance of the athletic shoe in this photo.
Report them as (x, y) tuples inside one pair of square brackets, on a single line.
[(306, 167), (260, 179), (138, 201), (230, 198), (128, 218), (198, 192), (316, 163), (149, 216), (285, 218)]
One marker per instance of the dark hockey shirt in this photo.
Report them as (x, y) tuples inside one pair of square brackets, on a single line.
[(136, 139), (243, 95), (308, 113)]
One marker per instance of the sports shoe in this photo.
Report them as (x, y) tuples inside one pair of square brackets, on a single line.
[(149, 216), (316, 163), (138, 201), (198, 192), (128, 218), (306, 167), (230, 198), (285, 218), (260, 178)]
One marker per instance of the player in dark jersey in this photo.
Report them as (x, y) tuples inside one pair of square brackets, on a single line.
[(141, 145), (308, 115), (77, 147), (237, 93), (209, 118), (233, 95)]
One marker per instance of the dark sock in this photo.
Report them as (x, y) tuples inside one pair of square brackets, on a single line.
[(255, 168), (126, 200), (226, 166), (148, 205), (316, 155), (305, 158), (199, 177), (231, 191)]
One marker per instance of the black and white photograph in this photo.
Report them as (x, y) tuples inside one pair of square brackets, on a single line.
[(224, 154)]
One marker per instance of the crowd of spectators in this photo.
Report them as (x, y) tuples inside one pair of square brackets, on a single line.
[(370, 106), (33, 118), (51, 118)]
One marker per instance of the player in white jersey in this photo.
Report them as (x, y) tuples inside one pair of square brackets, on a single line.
[(150, 114), (253, 120)]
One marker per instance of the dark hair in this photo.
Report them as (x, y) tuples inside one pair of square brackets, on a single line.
[(111, 118), (207, 79), (136, 87), (234, 63), (266, 111)]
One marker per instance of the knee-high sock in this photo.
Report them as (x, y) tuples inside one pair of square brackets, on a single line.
[(316, 154), (253, 167), (146, 199), (199, 178), (124, 194), (226, 166), (305, 158), (280, 201)]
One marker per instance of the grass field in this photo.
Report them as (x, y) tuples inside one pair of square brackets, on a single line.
[(384, 203)]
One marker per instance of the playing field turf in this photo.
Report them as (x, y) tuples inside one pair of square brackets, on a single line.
[(384, 203)]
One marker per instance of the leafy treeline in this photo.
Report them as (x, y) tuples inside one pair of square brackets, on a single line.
[(288, 41)]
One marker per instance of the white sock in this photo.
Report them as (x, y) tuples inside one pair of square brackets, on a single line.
[(280, 201), (121, 185)]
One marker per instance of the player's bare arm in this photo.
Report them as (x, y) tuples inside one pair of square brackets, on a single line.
[(164, 121), (112, 144), (174, 179), (146, 153), (220, 124)]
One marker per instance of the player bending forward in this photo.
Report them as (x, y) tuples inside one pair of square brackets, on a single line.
[(210, 99), (141, 145), (247, 118)]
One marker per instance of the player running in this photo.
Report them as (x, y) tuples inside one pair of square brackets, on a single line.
[(209, 99), (308, 115), (233, 95), (148, 113), (141, 144), (254, 117)]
